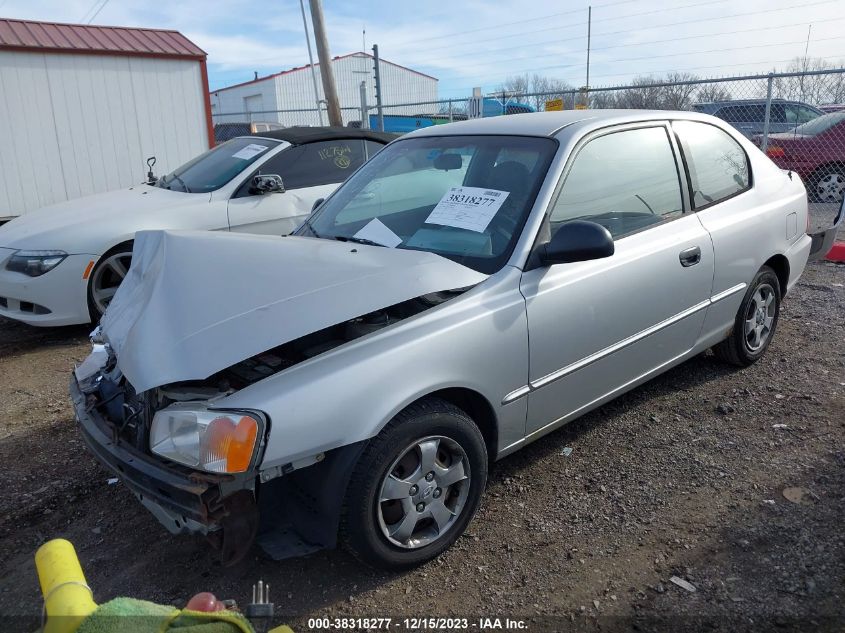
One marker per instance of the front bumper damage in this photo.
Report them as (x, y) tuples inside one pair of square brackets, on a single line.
[(288, 511), (220, 507)]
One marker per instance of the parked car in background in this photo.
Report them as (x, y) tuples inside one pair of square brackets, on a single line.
[(471, 288), (749, 115), (62, 264), (815, 151), (832, 107)]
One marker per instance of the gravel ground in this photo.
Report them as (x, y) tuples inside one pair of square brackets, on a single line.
[(730, 480)]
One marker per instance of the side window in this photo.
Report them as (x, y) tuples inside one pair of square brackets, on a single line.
[(625, 181), (372, 148), (718, 166), (741, 113), (806, 114), (315, 164)]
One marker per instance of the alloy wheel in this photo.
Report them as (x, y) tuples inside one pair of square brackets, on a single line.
[(831, 187), (109, 274), (424, 492), (759, 317)]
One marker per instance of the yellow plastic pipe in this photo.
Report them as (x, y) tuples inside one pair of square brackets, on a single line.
[(67, 598)]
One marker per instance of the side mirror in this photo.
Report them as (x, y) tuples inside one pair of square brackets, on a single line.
[(577, 241), (267, 183), (317, 203)]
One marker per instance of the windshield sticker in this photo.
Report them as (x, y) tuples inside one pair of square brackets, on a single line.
[(376, 231), (253, 149), (339, 155), (469, 208)]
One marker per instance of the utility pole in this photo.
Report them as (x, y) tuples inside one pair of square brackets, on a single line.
[(323, 54), (311, 61), (377, 74), (589, 28)]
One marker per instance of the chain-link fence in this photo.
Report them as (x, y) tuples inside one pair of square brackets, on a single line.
[(798, 118)]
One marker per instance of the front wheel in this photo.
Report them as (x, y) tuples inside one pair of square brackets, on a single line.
[(105, 278), (755, 323), (416, 486)]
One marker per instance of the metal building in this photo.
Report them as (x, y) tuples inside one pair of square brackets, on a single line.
[(83, 107), (287, 97)]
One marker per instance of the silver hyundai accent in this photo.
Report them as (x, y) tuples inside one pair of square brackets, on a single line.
[(471, 288)]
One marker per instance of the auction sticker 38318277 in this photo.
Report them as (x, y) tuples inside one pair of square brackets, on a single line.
[(470, 208)]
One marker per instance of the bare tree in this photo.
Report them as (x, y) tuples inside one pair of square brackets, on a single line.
[(644, 93), (813, 89), (678, 92), (541, 89), (708, 93)]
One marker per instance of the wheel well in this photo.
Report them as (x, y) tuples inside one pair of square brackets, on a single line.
[(479, 409), (780, 265)]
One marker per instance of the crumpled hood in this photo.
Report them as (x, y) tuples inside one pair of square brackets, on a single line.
[(54, 226), (195, 302)]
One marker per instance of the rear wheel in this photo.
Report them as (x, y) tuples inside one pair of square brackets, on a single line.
[(107, 275), (755, 323), (416, 486), (828, 184)]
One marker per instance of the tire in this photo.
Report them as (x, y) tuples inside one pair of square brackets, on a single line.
[(375, 530), (106, 277), (755, 323), (827, 185)]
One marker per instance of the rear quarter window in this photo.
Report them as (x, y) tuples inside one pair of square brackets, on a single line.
[(313, 164), (717, 165)]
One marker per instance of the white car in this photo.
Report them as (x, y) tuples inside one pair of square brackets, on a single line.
[(61, 265)]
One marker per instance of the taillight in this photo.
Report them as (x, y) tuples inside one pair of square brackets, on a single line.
[(775, 151)]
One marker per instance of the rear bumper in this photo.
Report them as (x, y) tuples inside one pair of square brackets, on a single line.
[(183, 504), (822, 241)]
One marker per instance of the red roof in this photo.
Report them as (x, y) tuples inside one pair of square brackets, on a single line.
[(307, 66), (53, 37)]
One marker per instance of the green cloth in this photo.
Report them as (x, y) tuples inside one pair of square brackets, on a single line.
[(127, 615)]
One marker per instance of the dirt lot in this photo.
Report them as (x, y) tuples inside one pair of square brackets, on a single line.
[(693, 475)]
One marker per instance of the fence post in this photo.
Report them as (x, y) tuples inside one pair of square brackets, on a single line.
[(504, 107), (450, 111), (365, 117), (377, 73), (765, 144)]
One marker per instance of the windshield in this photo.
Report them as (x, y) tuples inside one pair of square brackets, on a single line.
[(463, 197), (216, 167), (820, 124)]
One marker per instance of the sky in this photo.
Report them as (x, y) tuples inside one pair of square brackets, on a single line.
[(473, 43)]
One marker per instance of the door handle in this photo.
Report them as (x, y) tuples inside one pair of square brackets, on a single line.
[(690, 256)]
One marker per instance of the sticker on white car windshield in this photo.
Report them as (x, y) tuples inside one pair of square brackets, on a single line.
[(376, 231), (249, 151), (469, 208)]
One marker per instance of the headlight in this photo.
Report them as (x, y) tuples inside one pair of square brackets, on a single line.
[(35, 263), (213, 441)]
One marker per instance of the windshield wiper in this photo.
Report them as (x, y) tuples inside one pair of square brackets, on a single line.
[(181, 182), (356, 240)]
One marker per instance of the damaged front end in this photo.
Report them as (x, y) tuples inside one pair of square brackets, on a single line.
[(161, 443), (118, 425)]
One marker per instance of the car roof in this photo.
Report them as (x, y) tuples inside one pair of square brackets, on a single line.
[(550, 123), (301, 135)]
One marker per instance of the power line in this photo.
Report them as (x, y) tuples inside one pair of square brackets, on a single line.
[(542, 17), (650, 27), (630, 44), (634, 59), (105, 2)]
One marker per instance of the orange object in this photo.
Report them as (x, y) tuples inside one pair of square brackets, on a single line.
[(88, 269), (231, 443), (775, 152)]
